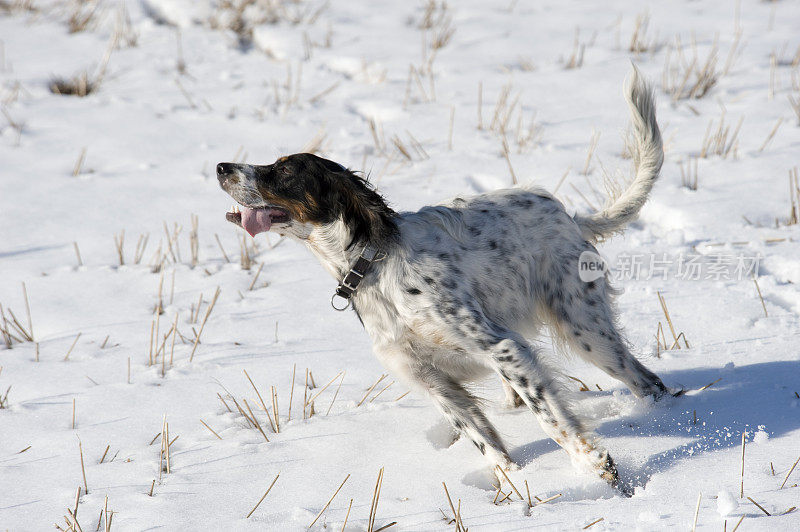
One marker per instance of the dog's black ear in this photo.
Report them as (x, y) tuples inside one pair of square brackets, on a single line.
[(329, 165)]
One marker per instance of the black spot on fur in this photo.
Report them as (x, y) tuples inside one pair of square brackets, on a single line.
[(414, 291), (587, 347)]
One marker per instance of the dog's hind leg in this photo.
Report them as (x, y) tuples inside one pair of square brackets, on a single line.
[(585, 319), (463, 411), (512, 399), (519, 363)]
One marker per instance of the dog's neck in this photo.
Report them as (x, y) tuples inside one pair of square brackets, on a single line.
[(331, 243)]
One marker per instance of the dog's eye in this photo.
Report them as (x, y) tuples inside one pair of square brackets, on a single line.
[(285, 170)]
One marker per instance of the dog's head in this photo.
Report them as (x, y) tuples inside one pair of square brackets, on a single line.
[(298, 193)]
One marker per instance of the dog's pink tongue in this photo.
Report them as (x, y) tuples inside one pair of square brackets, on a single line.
[(256, 221)]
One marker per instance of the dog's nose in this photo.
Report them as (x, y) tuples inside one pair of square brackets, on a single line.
[(223, 171)]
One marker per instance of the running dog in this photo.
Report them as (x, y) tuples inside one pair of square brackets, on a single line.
[(455, 291)]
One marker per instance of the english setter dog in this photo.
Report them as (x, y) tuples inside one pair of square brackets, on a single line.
[(451, 292)]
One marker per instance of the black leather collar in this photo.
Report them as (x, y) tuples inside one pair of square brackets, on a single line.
[(349, 285)]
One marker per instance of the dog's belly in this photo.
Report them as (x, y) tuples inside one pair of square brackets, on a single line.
[(459, 364)]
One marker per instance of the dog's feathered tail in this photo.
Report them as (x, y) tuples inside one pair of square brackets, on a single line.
[(648, 155)]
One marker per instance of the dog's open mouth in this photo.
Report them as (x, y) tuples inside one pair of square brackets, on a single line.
[(258, 220)]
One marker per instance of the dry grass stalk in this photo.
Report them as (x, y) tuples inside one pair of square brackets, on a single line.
[(316, 144), (77, 502), (709, 385), (689, 174), (73, 413), (377, 135), (119, 243), (318, 97), (305, 395), (578, 48), (224, 403), (369, 391), (384, 527), (583, 387), (28, 311), (291, 392), (83, 83), (759, 506), (376, 495), (79, 163), (347, 515), (194, 242), (7, 337), (329, 501), (17, 125), (639, 42), (741, 484), (66, 357), (721, 142), (380, 392), (794, 102), (244, 254), (214, 432), (263, 496), (77, 254), (165, 444), (225, 255), (771, 134), (408, 392), (27, 335), (763, 305), (693, 79), (508, 161), (554, 497), (83, 469), (255, 420), (782, 483), (510, 483), (593, 523), (739, 522), (141, 246), (261, 400), (275, 409), (794, 195), (326, 386), (675, 336), (84, 15), (203, 324), (696, 512), (102, 458), (336, 394), (4, 401), (592, 147)]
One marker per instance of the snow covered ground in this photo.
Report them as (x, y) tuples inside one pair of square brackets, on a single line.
[(376, 87)]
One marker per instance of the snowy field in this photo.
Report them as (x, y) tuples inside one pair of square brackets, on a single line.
[(98, 194)]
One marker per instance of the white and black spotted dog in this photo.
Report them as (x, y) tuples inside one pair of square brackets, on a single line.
[(451, 292)]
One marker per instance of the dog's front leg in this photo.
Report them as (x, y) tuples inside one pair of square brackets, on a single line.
[(463, 411)]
